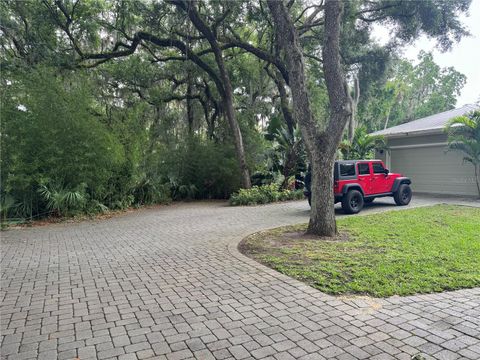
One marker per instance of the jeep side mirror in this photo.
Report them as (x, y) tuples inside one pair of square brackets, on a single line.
[(386, 171)]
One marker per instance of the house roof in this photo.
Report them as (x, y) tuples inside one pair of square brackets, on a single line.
[(432, 124)]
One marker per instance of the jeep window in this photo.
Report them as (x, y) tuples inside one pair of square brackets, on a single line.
[(347, 169), (363, 169), (378, 168)]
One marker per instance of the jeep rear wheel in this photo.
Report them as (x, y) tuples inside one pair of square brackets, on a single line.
[(403, 195), (352, 202)]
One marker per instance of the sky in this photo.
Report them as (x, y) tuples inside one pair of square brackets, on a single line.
[(464, 55)]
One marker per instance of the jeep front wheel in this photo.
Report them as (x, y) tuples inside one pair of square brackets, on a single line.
[(403, 195), (352, 202)]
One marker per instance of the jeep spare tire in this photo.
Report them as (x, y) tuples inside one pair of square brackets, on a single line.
[(403, 195), (352, 202)]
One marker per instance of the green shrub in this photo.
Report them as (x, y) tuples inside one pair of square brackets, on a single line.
[(56, 154), (263, 195), (148, 192), (62, 201), (199, 169)]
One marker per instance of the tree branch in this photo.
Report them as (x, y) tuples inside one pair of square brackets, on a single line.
[(304, 28), (317, 8), (68, 21), (219, 20), (339, 98), (176, 97), (313, 57), (260, 53)]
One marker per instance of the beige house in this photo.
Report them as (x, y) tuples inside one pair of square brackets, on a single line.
[(417, 150)]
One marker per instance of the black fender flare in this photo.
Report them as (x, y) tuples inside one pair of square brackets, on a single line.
[(353, 186), (399, 181)]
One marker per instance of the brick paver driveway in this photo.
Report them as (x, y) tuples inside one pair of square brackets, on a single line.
[(169, 283)]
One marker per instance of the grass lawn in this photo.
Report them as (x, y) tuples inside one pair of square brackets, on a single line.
[(421, 250)]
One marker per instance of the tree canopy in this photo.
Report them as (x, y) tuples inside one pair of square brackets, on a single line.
[(134, 102)]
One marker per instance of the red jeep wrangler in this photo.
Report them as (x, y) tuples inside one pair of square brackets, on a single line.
[(361, 181)]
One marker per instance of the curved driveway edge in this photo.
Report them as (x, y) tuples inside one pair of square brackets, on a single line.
[(169, 283)]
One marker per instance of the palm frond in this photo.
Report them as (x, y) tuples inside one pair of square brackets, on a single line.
[(464, 136)]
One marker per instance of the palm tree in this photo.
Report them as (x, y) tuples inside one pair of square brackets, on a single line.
[(291, 153), (464, 135), (362, 146)]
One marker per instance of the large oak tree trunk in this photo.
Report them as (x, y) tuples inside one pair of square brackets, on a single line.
[(352, 123), (225, 88), (291, 158), (321, 144), (232, 120), (190, 118), (237, 137), (284, 103), (322, 222), (230, 113), (322, 215)]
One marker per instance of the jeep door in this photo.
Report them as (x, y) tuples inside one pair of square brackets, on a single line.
[(365, 177), (382, 183)]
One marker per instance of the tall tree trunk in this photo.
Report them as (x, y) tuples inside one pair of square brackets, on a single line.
[(210, 119), (237, 136), (232, 120), (230, 114), (226, 90), (388, 118), (284, 103), (287, 114), (322, 215), (340, 111), (189, 105), (291, 155), (352, 124), (321, 145)]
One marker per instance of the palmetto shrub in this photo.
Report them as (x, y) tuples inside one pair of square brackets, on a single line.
[(62, 201), (148, 192), (464, 136), (263, 195)]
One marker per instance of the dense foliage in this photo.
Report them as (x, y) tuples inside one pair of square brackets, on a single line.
[(56, 156), (263, 195), (464, 136), (363, 145), (63, 154), (411, 91), (111, 104)]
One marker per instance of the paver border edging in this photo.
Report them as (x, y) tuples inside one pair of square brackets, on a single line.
[(232, 248)]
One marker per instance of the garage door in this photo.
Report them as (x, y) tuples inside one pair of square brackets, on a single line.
[(434, 171)]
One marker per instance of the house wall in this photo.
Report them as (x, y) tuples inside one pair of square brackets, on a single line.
[(432, 169)]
